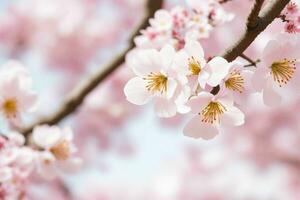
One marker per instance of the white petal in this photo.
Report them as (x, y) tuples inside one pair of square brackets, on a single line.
[(182, 99), (46, 136), (232, 117), (5, 174), (46, 165), (219, 68), (171, 87), (136, 92), (195, 128), (143, 62), (203, 78), (270, 96), (198, 103), (167, 54), (194, 49), (165, 108), (181, 63)]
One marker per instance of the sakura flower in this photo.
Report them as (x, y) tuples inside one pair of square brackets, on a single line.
[(156, 79), (162, 21), (16, 160), (213, 113), (278, 69), (237, 83), (193, 64), (58, 149), (16, 95)]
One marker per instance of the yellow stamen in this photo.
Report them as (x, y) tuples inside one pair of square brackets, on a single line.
[(235, 81), (10, 107), (212, 112), (283, 70), (156, 82), (62, 150), (194, 66)]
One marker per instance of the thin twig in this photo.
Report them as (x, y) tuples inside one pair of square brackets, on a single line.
[(251, 61), (76, 97)]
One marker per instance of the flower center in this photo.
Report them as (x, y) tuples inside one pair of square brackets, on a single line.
[(283, 70), (212, 112), (10, 107), (62, 150), (194, 66), (156, 82), (235, 81)]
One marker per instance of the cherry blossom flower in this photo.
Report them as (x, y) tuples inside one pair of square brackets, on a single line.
[(237, 83), (162, 20), (16, 95), (213, 112), (278, 68), (156, 79), (180, 24), (58, 150), (193, 64)]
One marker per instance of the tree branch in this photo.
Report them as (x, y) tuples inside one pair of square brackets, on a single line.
[(266, 16), (253, 16), (76, 97)]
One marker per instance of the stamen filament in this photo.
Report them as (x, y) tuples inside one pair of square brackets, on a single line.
[(282, 71), (156, 82), (212, 112)]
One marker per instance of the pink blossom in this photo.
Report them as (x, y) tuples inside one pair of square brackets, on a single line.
[(156, 79), (58, 150), (278, 68), (212, 112), (16, 95)]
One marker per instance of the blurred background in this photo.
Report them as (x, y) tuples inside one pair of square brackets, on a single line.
[(128, 152)]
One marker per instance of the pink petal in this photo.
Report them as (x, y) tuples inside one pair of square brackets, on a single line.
[(144, 61), (171, 87), (46, 165), (219, 68), (165, 108), (194, 49), (259, 78), (198, 103), (270, 96), (232, 117), (195, 128)]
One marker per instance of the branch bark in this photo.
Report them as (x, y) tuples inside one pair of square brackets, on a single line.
[(76, 97), (253, 16), (265, 17)]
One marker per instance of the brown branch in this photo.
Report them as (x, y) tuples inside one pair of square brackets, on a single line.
[(253, 16), (76, 97), (266, 16)]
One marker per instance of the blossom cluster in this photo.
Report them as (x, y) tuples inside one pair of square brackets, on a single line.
[(51, 149), (212, 89), (180, 23), (291, 16)]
